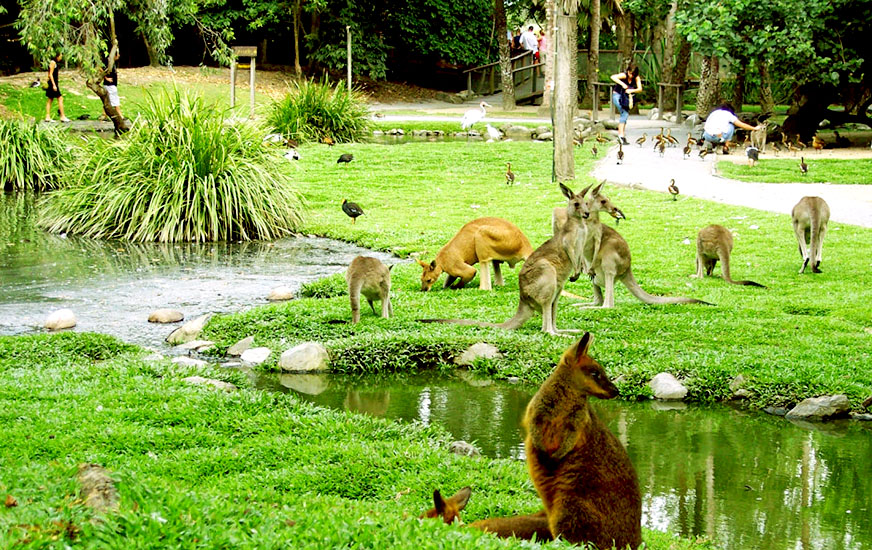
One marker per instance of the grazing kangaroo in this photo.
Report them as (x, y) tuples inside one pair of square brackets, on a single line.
[(607, 257), (486, 241), (810, 218), (370, 277), (715, 243), (581, 471), (545, 272)]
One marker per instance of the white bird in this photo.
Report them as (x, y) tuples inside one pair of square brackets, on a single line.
[(273, 138), (472, 116), (292, 154), (35, 83), (494, 133)]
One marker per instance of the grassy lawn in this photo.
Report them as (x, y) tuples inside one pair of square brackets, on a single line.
[(786, 170)]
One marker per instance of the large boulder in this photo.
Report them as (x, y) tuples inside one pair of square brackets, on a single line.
[(518, 132), (280, 294), (239, 347), (306, 357), (610, 124), (666, 386), (481, 350), (189, 331), (60, 319), (165, 316), (821, 408), (189, 361)]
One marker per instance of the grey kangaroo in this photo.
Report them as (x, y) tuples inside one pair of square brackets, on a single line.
[(370, 277), (714, 243), (810, 218)]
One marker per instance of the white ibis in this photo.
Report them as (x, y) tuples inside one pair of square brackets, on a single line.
[(493, 133), (472, 116)]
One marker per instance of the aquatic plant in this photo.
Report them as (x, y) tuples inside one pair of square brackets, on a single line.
[(181, 174), (31, 156), (313, 111)]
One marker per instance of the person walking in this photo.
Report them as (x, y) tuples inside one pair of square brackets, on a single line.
[(627, 83), (530, 42), (720, 126), (110, 84), (53, 91)]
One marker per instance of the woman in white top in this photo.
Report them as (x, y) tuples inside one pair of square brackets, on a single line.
[(721, 125)]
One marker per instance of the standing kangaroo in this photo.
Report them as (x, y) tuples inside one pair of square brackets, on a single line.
[(545, 272), (581, 471), (715, 243), (486, 241), (810, 218), (370, 277), (607, 258)]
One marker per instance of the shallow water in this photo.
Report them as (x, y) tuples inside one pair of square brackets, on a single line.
[(112, 286), (745, 480)]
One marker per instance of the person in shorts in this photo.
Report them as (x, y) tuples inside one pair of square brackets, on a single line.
[(110, 84), (53, 91)]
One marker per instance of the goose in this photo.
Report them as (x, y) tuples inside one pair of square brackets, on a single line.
[(472, 116)]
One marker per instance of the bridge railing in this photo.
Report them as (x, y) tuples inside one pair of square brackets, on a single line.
[(486, 79)]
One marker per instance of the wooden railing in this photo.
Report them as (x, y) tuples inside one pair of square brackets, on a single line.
[(486, 79)]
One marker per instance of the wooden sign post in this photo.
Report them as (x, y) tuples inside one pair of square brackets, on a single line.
[(251, 53)]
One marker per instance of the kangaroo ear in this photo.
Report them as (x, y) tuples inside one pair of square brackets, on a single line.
[(583, 192), (598, 188), (583, 344), (390, 267), (438, 502), (461, 498), (433, 264), (422, 264), (567, 192)]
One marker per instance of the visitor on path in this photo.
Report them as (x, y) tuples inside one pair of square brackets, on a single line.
[(543, 47), (516, 43), (530, 43), (53, 90), (110, 84), (627, 83), (721, 125)]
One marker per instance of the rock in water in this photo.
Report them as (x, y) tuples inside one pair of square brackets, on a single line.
[(189, 331), (666, 386), (60, 319), (306, 357), (165, 316)]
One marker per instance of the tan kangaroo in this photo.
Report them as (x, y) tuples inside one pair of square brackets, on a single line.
[(581, 471), (370, 277), (810, 218), (714, 243), (607, 258), (545, 272), (486, 241)]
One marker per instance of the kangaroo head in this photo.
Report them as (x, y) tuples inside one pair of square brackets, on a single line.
[(601, 203), (588, 376), (448, 509), (430, 275), (575, 201)]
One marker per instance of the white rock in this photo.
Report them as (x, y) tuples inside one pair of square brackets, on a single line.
[(236, 349), (200, 381), (189, 331), (60, 319), (310, 384), (256, 356), (165, 316), (821, 408), (481, 350), (280, 294), (306, 357), (189, 362), (463, 448), (666, 386), (153, 357)]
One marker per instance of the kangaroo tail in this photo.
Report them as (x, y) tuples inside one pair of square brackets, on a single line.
[(725, 267), (515, 322), (634, 288), (466, 322), (519, 318), (815, 235)]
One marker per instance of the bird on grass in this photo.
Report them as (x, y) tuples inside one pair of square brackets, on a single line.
[(593, 151), (673, 189), (472, 116), (35, 83), (803, 167), (817, 143), (292, 154), (510, 176), (352, 209), (578, 142), (641, 141), (753, 155), (601, 138), (620, 152), (327, 140), (345, 157)]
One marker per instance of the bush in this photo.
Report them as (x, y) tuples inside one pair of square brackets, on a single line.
[(312, 111), (31, 155), (179, 175)]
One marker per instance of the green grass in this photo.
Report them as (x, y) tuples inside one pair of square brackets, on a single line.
[(806, 335), (786, 170), (313, 111), (200, 468), (32, 156)]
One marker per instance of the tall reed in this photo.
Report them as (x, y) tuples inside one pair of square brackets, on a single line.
[(312, 111), (31, 156), (180, 174)]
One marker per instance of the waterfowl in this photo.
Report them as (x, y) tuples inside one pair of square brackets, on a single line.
[(472, 116), (352, 209)]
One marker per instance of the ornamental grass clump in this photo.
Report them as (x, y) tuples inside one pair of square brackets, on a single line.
[(180, 175), (31, 156), (312, 112)]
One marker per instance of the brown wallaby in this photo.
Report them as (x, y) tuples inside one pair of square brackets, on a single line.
[(607, 257), (545, 272), (486, 241), (370, 277), (581, 471), (715, 243), (810, 218)]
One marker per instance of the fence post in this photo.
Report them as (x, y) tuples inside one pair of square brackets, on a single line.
[(678, 98)]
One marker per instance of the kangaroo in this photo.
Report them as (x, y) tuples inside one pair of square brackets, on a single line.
[(485, 240), (715, 243), (558, 216), (607, 257), (370, 277), (581, 471), (810, 218), (545, 272), (758, 139)]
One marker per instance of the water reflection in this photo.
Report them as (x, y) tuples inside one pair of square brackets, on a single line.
[(743, 479)]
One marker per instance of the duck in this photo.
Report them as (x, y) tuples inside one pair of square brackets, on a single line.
[(702, 153), (673, 189), (510, 176), (593, 151), (817, 143), (601, 138), (620, 152), (472, 116), (776, 147), (345, 157), (803, 167), (327, 140), (641, 141), (662, 147), (578, 142), (669, 138), (352, 209), (686, 151)]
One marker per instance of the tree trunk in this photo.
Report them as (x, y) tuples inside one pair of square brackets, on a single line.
[(593, 51), (767, 102), (565, 88), (96, 84), (297, 25), (738, 96), (625, 29), (153, 58), (508, 83), (545, 108), (669, 58), (709, 86)]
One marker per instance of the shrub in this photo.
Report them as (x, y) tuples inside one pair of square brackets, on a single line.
[(312, 111), (180, 174), (31, 156)]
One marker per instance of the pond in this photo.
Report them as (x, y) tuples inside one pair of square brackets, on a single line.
[(112, 286), (742, 479)]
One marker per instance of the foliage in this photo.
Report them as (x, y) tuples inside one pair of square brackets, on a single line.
[(32, 155), (311, 111), (326, 287), (783, 170), (181, 175)]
